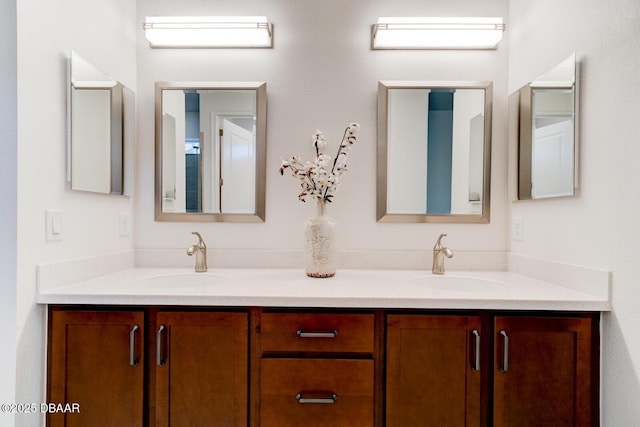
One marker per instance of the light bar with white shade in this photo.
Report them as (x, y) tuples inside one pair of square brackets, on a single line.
[(437, 33), (209, 31)]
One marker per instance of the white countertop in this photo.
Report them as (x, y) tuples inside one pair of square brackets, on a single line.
[(399, 289)]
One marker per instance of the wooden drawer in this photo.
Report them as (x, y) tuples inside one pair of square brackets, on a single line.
[(317, 332), (316, 392)]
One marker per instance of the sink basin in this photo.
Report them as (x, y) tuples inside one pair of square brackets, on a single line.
[(459, 283), (181, 281)]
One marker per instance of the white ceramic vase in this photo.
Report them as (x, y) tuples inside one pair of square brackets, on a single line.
[(320, 245)]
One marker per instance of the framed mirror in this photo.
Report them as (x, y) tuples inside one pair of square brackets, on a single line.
[(548, 140), (100, 130), (210, 151), (434, 151)]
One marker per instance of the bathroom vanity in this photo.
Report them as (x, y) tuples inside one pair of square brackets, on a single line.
[(367, 348)]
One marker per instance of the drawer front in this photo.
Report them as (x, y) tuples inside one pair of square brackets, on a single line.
[(317, 332), (316, 392)]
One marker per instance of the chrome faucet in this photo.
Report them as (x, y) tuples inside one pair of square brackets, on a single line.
[(200, 249), (439, 252)]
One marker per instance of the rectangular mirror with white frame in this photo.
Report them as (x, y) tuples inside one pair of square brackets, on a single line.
[(434, 151), (210, 151), (548, 127)]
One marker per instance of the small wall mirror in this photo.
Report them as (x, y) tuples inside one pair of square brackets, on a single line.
[(101, 131), (548, 133), (210, 151), (434, 151)]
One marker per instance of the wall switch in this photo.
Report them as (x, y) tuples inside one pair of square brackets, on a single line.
[(517, 225), (125, 225), (53, 225)]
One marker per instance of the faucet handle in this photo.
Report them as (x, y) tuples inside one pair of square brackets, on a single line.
[(200, 239), (438, 244)]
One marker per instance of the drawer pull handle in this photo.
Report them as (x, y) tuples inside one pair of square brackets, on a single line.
[(132, 346), (476, 362), (505, 352), (307, 334), (159, 360), (317, 398)]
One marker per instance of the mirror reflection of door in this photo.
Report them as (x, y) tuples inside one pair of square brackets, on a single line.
[(552, 160), (552, 150), (237, 164), (209, 151), (548, 133)]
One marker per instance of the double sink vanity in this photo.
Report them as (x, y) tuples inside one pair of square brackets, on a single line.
[(369, 347), (271, 347)]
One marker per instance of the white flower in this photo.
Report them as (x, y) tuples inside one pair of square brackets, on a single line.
[(322, 161), (320, 179), (318, 140)]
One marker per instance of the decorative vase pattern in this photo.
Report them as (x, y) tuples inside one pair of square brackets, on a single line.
[(320, 247)]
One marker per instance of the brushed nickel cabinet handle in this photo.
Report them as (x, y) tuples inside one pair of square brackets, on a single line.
[(505, 352), (476, 362), (159, 360), (132, 346), (310, 334), (317, 398)]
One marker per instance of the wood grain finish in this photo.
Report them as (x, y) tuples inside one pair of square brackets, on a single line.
[(244, 367), (354, 332), (431, 380), (203, 377), (548, 381), (89, 364), (350, 380)]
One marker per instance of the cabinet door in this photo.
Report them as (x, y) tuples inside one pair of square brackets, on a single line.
[(542, 374), (202, 369), (433, 376), (96, 360)]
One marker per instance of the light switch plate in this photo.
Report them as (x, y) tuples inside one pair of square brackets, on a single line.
[(125, 225), (517, 228), (53, 225)]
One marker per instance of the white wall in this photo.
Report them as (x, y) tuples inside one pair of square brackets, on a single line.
[(174, 123), (321, 74), (8, 195), (408, 127), (599, 226), (468, 137), (104, 34)]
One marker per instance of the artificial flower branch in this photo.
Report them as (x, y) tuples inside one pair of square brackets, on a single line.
[(317, 181)]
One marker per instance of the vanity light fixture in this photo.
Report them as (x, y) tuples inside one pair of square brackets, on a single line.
[(437, 33), (209, 31)]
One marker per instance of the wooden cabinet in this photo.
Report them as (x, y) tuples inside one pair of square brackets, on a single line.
[(198, 369), (96, 359), (434, 366), (258, 367), (317, 369), (545, 372), (201, 369)]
